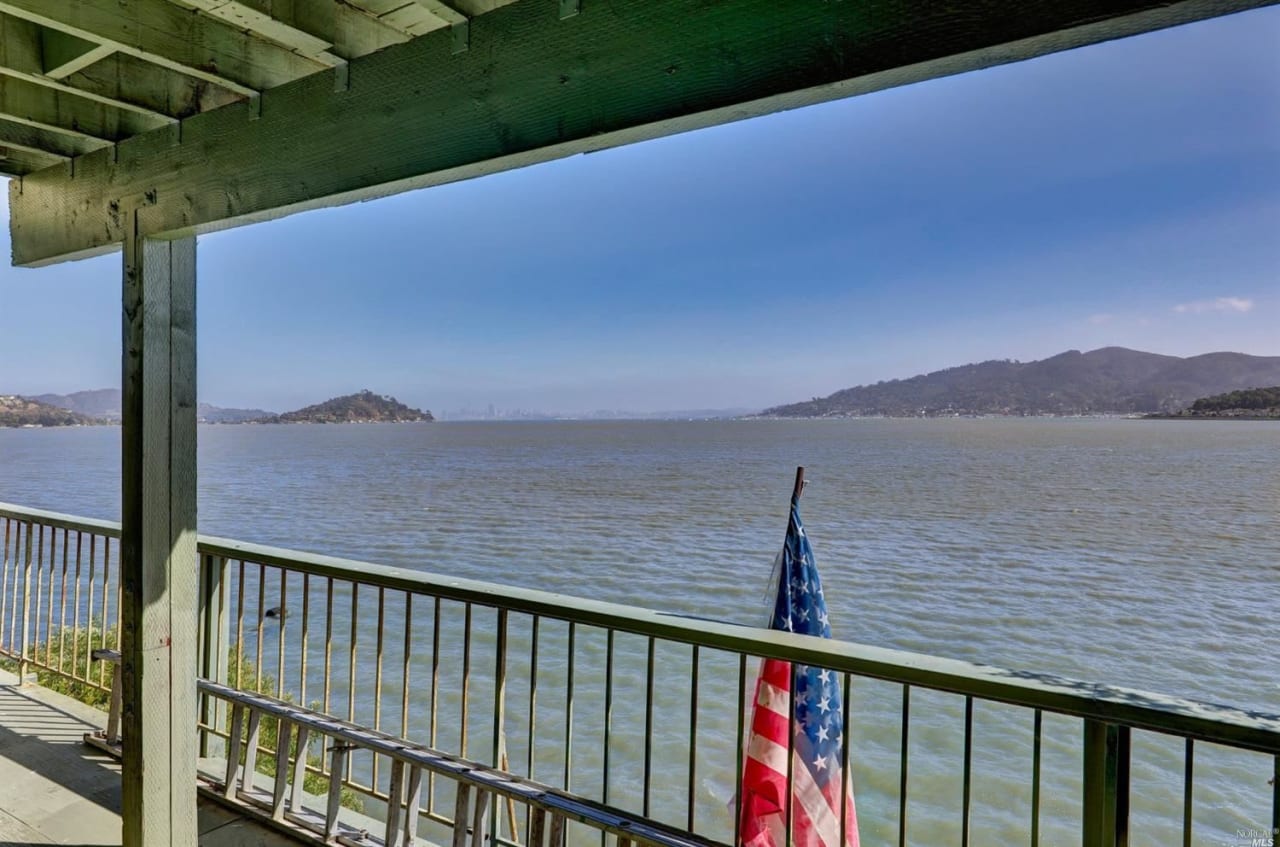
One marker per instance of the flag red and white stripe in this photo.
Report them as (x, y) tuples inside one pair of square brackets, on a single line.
[(793, 764)]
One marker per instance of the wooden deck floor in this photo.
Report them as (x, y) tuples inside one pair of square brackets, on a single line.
[(56, 790)]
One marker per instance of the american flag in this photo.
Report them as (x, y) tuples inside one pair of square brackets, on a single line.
[(799, 703)]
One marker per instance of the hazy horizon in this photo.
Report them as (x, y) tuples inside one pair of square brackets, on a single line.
[(1114, 195)]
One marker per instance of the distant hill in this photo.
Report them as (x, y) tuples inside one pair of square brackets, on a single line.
[(1109, 380), (1249, 403), (361, 407), (103, 403), (106, 403), (205, 413), (24, 411)]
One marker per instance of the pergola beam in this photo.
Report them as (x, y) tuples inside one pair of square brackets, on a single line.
[(534, 87), (181, 39)]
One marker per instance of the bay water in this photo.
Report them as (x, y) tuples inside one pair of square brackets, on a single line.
[(1138, 553)]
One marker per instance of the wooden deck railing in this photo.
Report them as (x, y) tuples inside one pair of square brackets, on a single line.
[(631, 708)]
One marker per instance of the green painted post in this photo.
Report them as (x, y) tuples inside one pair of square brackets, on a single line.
[(1106, 784)]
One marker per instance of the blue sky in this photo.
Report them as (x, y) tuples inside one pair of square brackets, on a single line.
[(1127, 193)]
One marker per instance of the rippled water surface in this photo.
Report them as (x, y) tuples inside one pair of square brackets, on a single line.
[(1142, 553)]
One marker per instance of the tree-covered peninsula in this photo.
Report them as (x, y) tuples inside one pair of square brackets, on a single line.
[(361, 407)]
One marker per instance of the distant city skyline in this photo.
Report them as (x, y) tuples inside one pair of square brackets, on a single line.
[(1122, 194)]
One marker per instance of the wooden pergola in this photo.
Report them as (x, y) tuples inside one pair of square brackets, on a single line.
[(143, 123)]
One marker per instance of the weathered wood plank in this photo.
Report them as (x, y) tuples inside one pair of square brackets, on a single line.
[(166, 34), (533, 88), (158, 540), (41, 106), (134, 83), (43, 57), (352, 31), (62, 145), (19, 161), (64, 54)]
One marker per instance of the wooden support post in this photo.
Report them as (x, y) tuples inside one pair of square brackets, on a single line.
[(412, 802), (158, 539), (282, 768), (298, 781)]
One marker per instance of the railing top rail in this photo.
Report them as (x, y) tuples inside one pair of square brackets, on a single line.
[(1140, 709), (74, 523)]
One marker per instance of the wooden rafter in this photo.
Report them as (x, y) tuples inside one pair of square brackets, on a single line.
[(181, 39), (321, 29), (535, 87), (38, 106)]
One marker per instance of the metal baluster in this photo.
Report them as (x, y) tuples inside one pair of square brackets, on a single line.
[(568, 712), (789, 838), (741, 743), (435, 699), (846, 772), (240, 653), (4, 585), (62, 601), (404, 670), (26, 609), (466, 676), (1188, 791), (608, 713), (88, 650), (75, 613), (1035, 778), (968, 770), (119, 599), (33, 623), (693, 739), (106, 589), (351, 670), (257, 644), (328, 641), (1275, 799), (533, 712), (306, 638), (500, 759), (902, 777), (648, 727), (377, 677), (49, 599), (282, 619)]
